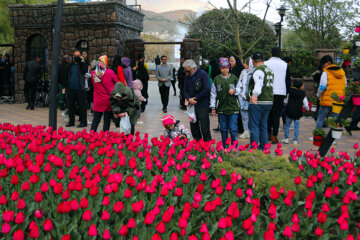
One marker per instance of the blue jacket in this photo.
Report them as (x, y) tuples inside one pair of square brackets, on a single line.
[(202, 97)]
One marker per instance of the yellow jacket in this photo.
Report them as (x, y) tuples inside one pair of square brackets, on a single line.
[(336, 82)]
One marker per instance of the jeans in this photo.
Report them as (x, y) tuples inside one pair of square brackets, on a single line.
[(296, 128), (258, 118), (164, 92), (245, 119), (97, 118), (201, 128), (323, 113), (228, 123), (275, 114)]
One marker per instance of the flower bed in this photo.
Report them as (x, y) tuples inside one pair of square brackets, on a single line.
[(65, 185)]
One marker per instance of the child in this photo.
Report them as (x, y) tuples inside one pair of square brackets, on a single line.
[(174, 128), (137, 87), (224, 101), (294, 112)]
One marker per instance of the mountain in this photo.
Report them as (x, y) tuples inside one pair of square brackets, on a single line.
[(166, 25)]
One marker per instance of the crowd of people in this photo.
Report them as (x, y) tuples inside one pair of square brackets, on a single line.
[(248, 98)]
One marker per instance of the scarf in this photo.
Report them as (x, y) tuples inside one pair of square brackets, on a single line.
[(101, 66)]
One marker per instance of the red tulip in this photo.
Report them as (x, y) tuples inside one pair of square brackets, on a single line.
[(183, 222), (84, 203), (123, 230), (20, 217), (5, 228), (247, 224), (66, 237), (8, 216), (160, 227), (118, 207), (92, 231), (222, 223), (105, 215), (318, 232), (18, 235), (106, 234), (87, 215), (39, 213), (156, 237), (48, 225), (25, 186), (34, 232), (287, 232), (174, 236)]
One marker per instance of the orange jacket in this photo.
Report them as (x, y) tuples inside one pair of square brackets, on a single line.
[(336, 82)]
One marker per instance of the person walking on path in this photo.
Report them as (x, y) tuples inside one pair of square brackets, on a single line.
[(142, 74), (260, 96), (244, 104), (181, 78), (157, 61), (297, 100), (282, 83), (164, 74), (76, 91), (332, 80), (197, 92), (104, 81), (224, 101), (32, 74), (127, 71), (123, 101), (63, 75)]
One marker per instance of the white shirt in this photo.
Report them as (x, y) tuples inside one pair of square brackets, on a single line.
[(279, 68)]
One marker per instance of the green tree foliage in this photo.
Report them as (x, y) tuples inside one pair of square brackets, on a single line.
[(291, 41), (216, 31), (6, 31), (320, 23)]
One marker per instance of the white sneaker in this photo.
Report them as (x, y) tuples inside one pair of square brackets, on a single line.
[(140, 122), (66, 117), (285, 140), (89, 122), (311, 138), (295, 142), (91, 114), (291, 127), (244, 135), (334, 143)]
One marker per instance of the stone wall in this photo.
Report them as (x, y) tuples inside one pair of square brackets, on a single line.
[(105, 26)]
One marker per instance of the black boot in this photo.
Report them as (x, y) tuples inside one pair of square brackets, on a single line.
[(28, 106)]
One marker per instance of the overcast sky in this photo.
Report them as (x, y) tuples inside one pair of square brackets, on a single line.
[(257, 6)]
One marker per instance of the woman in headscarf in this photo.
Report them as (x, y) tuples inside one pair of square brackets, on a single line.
[(104, 81), (244, 104), (236, 68), (125, 62), (143, 75), (118, 70)]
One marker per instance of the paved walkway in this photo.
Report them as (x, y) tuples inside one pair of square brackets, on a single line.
[(16, 114)]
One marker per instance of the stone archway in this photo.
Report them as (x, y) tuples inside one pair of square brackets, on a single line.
[(189, 48), (36, 46)]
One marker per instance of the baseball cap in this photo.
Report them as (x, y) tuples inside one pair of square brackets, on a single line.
[(257, 55)]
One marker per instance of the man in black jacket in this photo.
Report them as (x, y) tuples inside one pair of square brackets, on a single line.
[(32, 75), (76, 91), (63, 79)]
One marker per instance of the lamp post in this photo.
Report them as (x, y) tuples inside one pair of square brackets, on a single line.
[(281, 11)]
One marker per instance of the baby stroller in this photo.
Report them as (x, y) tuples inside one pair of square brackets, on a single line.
[(42, 93), (8, 89)]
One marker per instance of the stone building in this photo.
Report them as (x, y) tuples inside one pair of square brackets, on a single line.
[(100, 28)]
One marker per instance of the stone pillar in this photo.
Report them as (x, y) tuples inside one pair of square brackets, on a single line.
[(190, 49), (319, 53)]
